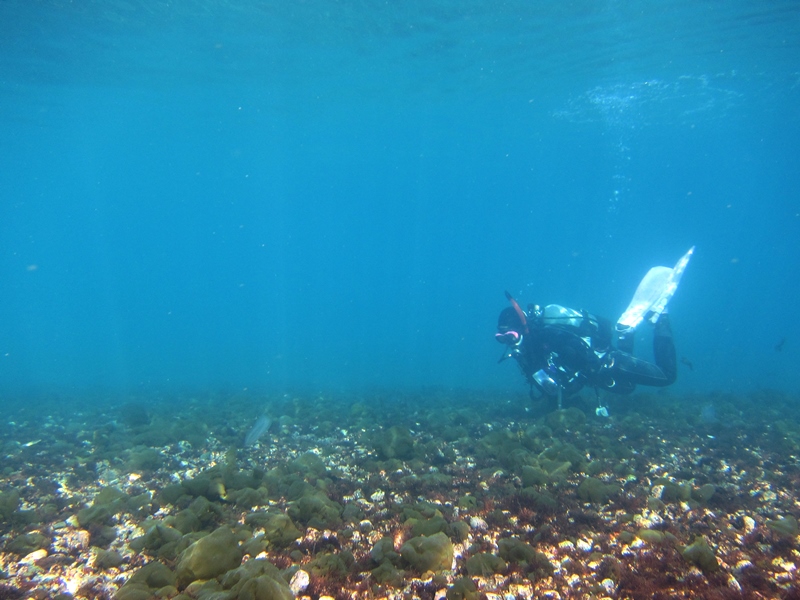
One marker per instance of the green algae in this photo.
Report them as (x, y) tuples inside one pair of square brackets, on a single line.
[(264, 588), (221, 482), (451, 433), (351, 513), (171, 494), (427, 527), (146, 581), (93, 516), (327, 565), (279, 529), (623, 470), (673, 491), (383, 551), (107, 502), (208, 557), (554, 458), (110, 496), (154, 575), (255, 545), (651, 536), (626, 537), (308, 464), (533, 476), (536, 564), (504, 447), (254, 580), (463, 588), (205, 485), (316, 510), (704, 493), (156, 537), (516, 551), (541, 500), (144, 459), (134, 592), (426, 519), (208, 513), (485, 564), (434, 553), (248, 497), (558, 470), (569, 419), (595, 491), (420, 511), (98, 517), (436, 480), (458, 531), (140, 505), (134, 415), (9, 507), (396, 443), (28, 542), (387, 574), (468, 502), (784, 526), (595, 467), (700, 554), (107, 559), (185, 521)]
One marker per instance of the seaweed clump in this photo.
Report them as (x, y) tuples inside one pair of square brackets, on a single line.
[(485, 564), (700, 554), (534, 563), (784, 526), (595, 491), (209, 557), (9, 506), (432, 553)]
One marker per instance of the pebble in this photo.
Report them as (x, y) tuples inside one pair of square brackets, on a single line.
[(742, 565), (733, 583), (34, 556), (75, 539), (478, 524), (365, 525), (299, 582), (749, 524)]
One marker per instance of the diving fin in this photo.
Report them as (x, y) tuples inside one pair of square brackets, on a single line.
[(653, 294)]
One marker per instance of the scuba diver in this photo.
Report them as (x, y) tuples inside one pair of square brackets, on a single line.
[(560, 350)]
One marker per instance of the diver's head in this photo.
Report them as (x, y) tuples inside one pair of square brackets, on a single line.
[(509, 327)]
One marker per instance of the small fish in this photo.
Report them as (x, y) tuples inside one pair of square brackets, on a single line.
[(779, 345), (258, 430), (687, 362)]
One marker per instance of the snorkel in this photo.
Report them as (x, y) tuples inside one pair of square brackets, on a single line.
[(519, 311)]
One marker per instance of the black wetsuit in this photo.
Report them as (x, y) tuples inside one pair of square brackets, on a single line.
[(574, 357)]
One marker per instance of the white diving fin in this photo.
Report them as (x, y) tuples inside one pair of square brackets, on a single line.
[(653, 294)]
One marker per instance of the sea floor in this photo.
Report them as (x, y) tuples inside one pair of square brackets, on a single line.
[(432, 494)]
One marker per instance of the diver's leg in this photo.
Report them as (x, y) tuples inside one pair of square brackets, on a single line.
[(626, 368), (664, 349)]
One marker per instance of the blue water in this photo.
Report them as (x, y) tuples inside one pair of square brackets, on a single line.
[(334, 195)]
